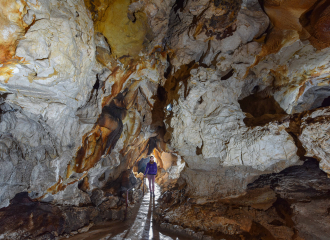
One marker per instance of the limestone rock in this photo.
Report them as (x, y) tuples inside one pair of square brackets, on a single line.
[(27, 150), (220, 92), (274, 207), (295, 85), (111, 202), (199, 31), (12, 28), (209, 132), (97, 197), (25, 217), (86, 228), (312, 219), (315, 136)]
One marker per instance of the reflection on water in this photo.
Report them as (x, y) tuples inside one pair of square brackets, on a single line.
[(140, 226)]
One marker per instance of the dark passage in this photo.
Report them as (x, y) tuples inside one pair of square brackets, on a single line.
[(261, 109), (326, 102)]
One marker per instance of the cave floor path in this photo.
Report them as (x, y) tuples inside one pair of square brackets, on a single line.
[(140, 227)]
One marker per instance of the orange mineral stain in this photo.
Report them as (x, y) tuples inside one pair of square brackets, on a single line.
[(317, 23), (12, 27), (286, 25)]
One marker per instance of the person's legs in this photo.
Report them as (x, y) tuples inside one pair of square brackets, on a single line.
[(149, 181), (153, 183)]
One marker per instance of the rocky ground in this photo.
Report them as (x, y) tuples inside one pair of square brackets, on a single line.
[(291, 204), (26, 218)]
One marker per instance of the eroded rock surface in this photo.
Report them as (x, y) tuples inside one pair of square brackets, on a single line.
[(315, 136), (276, 206), (220, 92), (28, 218)]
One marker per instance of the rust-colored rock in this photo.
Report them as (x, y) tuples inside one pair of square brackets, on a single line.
[(284, 15), (318, 24), (12, 27)]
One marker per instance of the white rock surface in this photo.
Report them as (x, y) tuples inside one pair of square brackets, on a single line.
[(298, 76), (27, 149), (40, 123), (212, 120), (51, 99), (189, 30), (315, 137)]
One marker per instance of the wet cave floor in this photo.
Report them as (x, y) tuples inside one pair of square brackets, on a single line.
[(140, 226)]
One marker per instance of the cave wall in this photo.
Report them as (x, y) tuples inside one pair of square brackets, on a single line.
[(43, 85), (209, 128), (70, 111), (220, 92)]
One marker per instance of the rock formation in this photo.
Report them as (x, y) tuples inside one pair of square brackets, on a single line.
[(231, 97)]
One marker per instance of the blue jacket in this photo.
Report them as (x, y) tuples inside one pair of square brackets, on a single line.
[(151, 169)]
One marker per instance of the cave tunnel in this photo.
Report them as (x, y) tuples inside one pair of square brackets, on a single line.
[(89, 90), (326, 102)]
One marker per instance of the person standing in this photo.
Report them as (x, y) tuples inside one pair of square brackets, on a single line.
[(151, 171)]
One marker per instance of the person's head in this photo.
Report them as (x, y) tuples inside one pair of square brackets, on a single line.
[(152, 159)]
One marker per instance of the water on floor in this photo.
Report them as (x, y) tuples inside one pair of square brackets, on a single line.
[(140, 227)]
